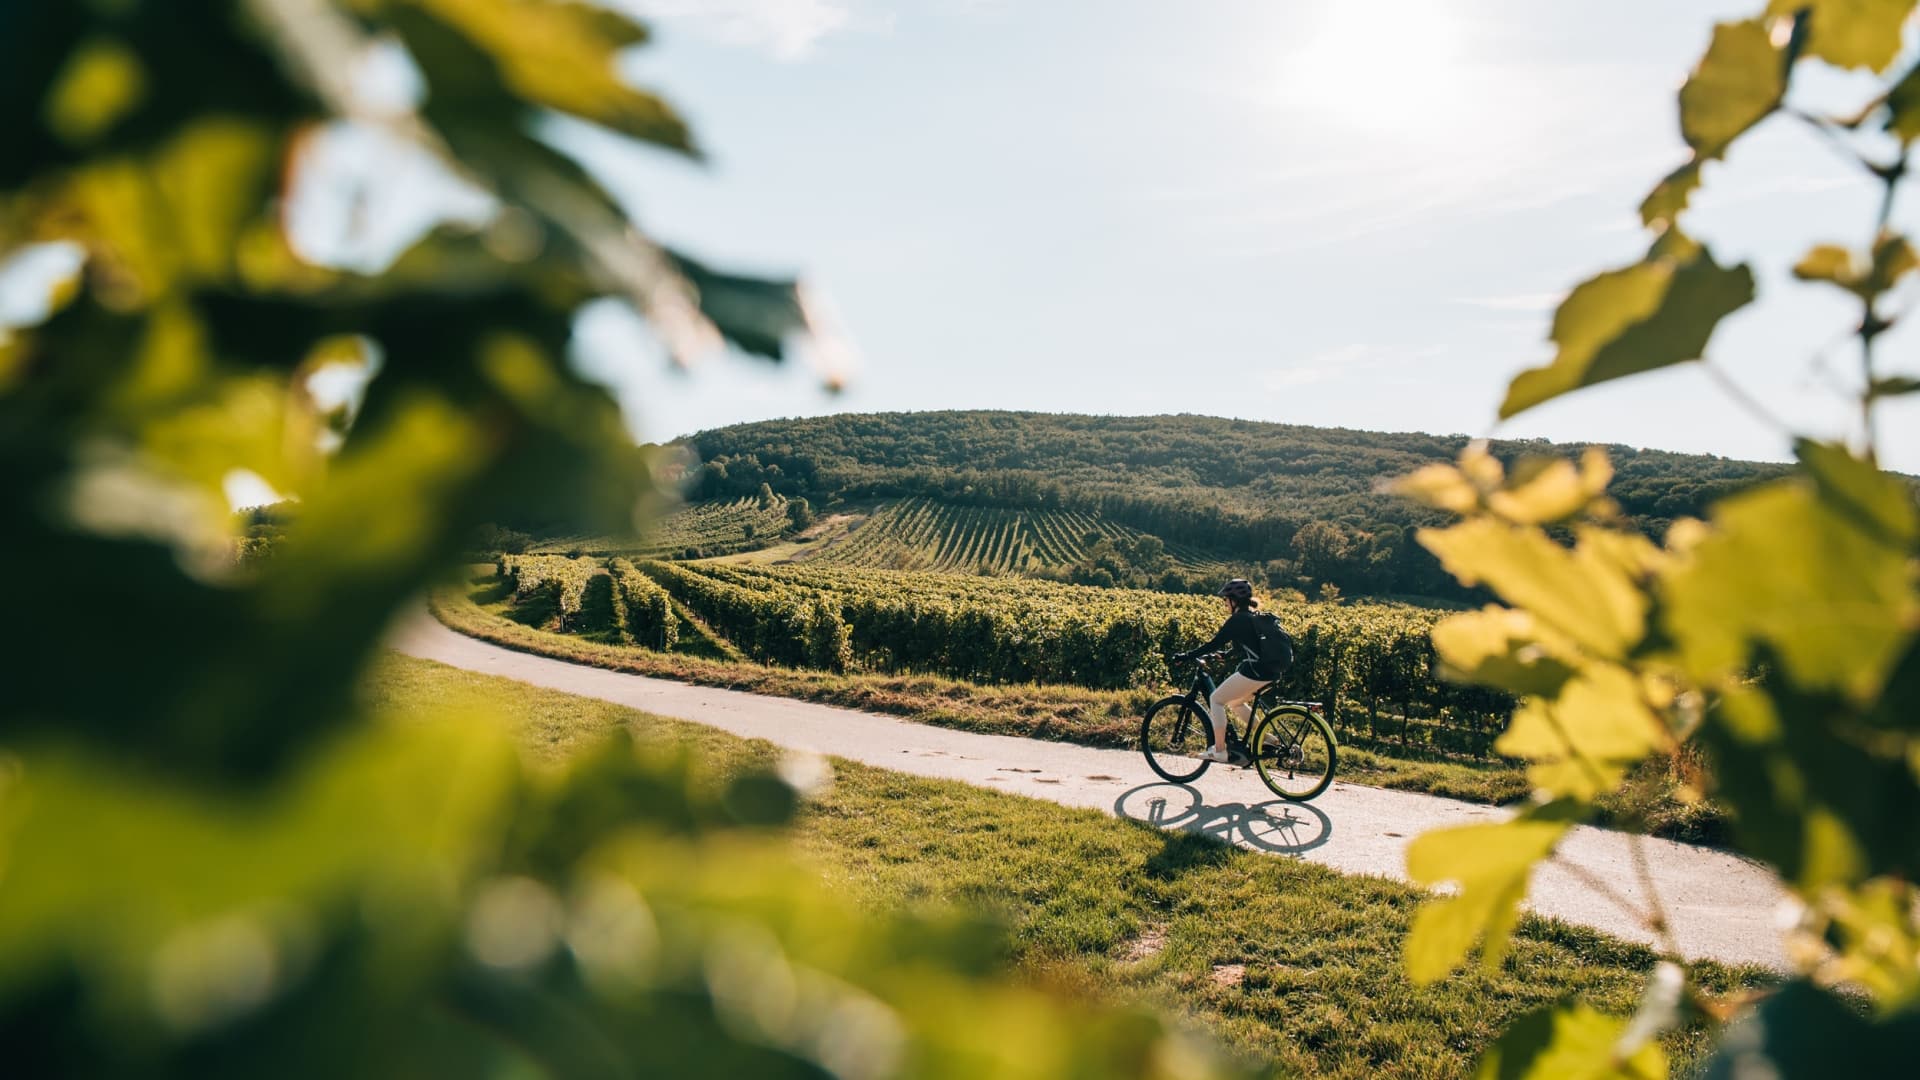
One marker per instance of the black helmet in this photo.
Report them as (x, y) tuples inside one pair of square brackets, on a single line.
[(1239, 590)]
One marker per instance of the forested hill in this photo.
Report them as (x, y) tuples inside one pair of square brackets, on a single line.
[(1237, 487)]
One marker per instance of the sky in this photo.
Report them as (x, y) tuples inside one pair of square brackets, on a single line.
[(1347, 213), (1355, 214)]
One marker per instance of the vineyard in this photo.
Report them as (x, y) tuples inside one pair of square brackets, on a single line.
[(696, 531), (1373, 664), (921, 534), (554, 582)]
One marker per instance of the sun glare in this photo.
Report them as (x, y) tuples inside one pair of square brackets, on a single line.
[(1393, 68)]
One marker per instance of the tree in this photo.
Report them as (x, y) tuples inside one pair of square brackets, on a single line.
[(1779, 638), (799, 515), (1330, 551), (215, 861)]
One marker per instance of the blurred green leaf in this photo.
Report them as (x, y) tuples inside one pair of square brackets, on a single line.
[(1584, 594), (1643, 317), (1501, 647), (1812, 789), (1568, 1042), (1580, 743), (1850, 33), (103, 863), (1803, 1033), (1878, 942), (214, 177), (1877, 503), (757, 315), (102, 82), (1826, 262), (1670, 197), (1490, 865), (559, 54), (1903, 107), (1547, 490), (1893, 386), (1893, 257), (1738, 83), (1801, 573)]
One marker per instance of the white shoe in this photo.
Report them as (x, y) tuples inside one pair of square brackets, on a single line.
[(1214, 753)]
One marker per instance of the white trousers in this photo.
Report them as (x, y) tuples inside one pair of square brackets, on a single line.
[(1236, 693)]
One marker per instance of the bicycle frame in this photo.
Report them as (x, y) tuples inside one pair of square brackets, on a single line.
[(1201, 694)]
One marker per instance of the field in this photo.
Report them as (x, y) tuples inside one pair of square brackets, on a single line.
[(921, 534), (1281, 960)]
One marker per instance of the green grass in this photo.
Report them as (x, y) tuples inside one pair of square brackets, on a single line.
[(1107, 718), (1280, 959)]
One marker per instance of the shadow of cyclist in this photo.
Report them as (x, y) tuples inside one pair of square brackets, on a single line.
[(1277, 826)]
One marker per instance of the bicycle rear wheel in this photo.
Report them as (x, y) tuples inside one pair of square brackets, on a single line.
[(1294, 752), (1172, 735)]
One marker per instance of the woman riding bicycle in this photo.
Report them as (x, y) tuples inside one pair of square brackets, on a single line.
[(1253, 674)]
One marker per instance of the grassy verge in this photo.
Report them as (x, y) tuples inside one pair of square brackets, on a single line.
[(1109, 718), (1283, 960)]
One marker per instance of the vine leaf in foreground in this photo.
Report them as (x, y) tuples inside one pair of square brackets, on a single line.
[(1850, 33), (1738, 83), (1569, 1042), (1490, 865), (1653, 314)]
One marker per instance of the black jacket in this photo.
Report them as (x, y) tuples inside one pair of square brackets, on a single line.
[(1239, 630)]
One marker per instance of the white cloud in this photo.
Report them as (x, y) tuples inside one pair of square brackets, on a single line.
[(788, 29)]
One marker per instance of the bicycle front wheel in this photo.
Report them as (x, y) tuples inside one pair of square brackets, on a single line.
[(1294, 752), (1172, 735)]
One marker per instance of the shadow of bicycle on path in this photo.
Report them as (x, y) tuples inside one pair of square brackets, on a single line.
[(1276, 826)]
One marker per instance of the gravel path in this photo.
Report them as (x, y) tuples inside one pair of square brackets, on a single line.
[(1721, 907)]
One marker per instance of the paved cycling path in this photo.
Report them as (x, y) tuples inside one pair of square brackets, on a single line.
[(1721, 906)]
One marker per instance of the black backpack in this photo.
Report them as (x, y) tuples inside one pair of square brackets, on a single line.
[(1276, 645)]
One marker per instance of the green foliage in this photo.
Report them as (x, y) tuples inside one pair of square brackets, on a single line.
[(1012, 630), (648, 610), (1779, 637), (1490, 864), (1570, 1042), (216, 862), (1850, 33), (562, 580)]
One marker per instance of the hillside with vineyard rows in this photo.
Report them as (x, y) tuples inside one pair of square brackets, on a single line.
[(1299, 505), (704, 529), (925, 534)]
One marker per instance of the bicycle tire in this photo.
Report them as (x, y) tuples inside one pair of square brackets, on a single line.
[(1296, 763), (1184, 730)]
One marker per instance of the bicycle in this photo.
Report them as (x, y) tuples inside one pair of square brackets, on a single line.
[(1292, 746)]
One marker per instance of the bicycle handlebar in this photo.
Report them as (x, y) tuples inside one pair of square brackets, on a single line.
[(1201, 659)]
